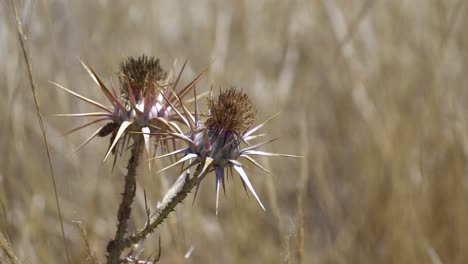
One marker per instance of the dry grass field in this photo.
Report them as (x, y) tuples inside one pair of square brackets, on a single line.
[(373, 94)]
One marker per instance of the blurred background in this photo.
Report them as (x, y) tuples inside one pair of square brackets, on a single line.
[(373, 94)]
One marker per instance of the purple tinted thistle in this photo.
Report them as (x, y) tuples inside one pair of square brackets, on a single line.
[(233, 112), (216, 143), (230, 115)]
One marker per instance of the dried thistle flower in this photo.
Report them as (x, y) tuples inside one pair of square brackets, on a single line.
[(146, 103), (141, 75), (233, 111), (216, 143)]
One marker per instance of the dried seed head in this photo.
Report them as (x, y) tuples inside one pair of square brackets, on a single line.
[(217, 144), (140, 74), (233, 111)]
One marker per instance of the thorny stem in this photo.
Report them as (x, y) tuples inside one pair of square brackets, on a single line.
[(114, 247), (163, 213)]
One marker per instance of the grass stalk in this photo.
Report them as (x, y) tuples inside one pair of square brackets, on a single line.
[(303, 181), (21, 38), (6, 247), (91, 256)]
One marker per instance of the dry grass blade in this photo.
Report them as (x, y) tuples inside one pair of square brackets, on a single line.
[(457, 11), (41, 124), (6, 247), (91, 256), (304, 176), (353, 26), (286, 250)]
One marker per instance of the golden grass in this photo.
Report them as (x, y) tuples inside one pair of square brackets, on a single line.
[(372, 93)]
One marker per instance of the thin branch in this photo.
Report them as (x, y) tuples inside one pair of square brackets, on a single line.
[(163, 213)]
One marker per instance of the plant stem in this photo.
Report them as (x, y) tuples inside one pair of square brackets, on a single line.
[(114, 247), (163, 212)]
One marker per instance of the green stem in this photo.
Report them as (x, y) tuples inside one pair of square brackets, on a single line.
[(115, 248), (163, 212)]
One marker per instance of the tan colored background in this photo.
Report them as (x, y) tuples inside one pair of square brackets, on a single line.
[(373, 94)]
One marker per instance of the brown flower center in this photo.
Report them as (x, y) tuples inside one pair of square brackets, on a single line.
[(233, 111), (142, 75)]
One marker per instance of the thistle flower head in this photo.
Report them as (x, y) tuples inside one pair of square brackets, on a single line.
[(142, 85), (229, 116), (217, 144), (146, 104), (143, 75)]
